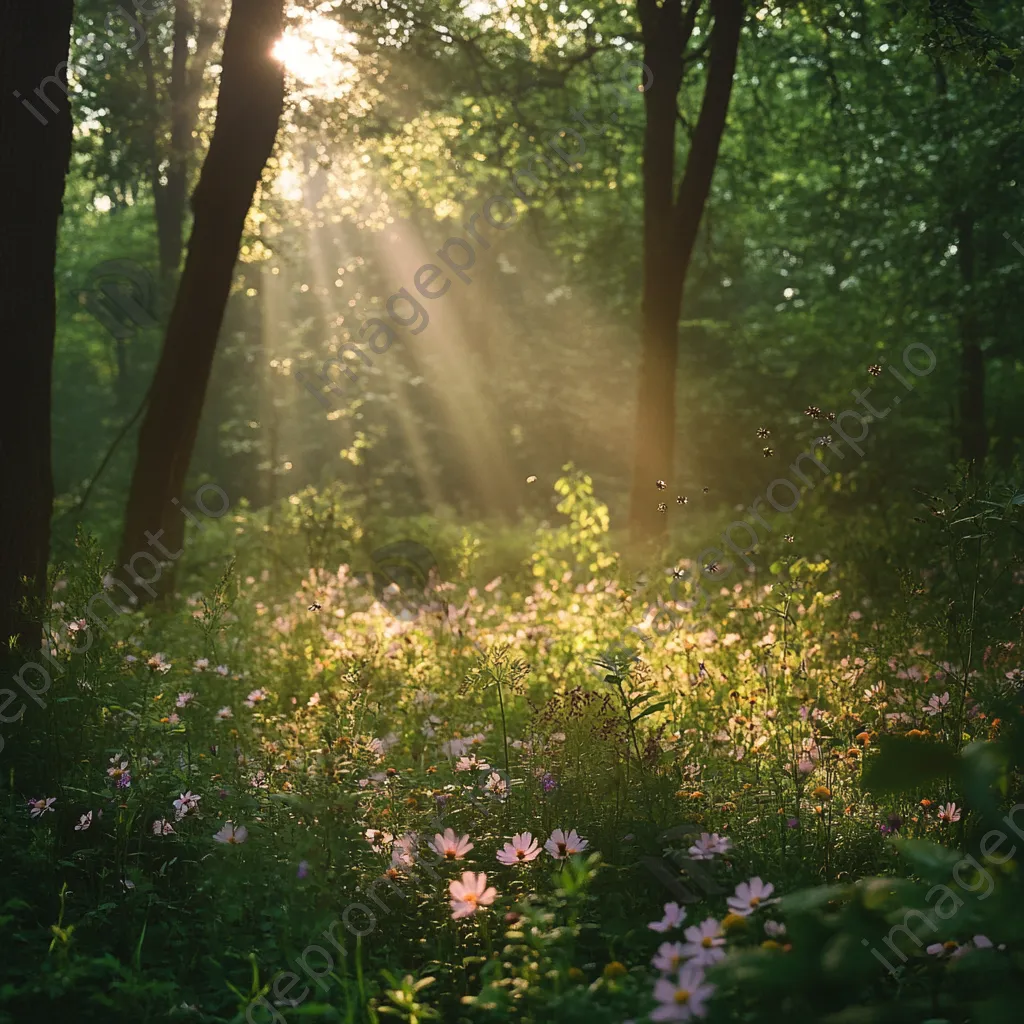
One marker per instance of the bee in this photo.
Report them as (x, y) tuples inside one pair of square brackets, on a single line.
[(681, 500), (705, 489), (315, 606), (767, 452), (763, 432), (660, 484), (813, 411), (662, 507), (678, 574), (875, 370), (788, 538), (712, 567)]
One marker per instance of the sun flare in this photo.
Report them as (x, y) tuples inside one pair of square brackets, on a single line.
[(318, 53)]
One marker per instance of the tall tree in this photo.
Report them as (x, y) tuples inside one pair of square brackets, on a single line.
[(672, 216), (35, 149), (249, 107)]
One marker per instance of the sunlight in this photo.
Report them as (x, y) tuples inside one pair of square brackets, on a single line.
[(318, 53)]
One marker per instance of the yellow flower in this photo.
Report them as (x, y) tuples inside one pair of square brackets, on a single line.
[(822, 793), (770, 944), (734, 923), (614, 970), (575, 974)]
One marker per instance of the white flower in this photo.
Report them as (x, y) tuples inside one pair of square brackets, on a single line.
[(232, 834), (84, 822), (708, 845), (561, 845), (749, 896), (704, 942), (774, 929), (224, 714), (37, 808), (674, 917), (669, 957), (188, 801), (683, 998), (162, 827)]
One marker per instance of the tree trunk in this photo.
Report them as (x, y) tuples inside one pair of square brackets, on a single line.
[(249, 108), (973, 427), (671, 224), (34, 157)]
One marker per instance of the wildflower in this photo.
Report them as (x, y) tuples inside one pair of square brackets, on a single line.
[(116, 772), (84, 822), (222, 670), (159, 663), (255, 696), (201, 665), (561, 845), (704, 943), (188, 801), (184, 699), (949, 813), (749, 896), (707, 846), (233, 834), (224, 714), (451, 847), (303, 869), (936, 704), (403, 854), (523, 848), (615, 969), (124, 780), (674, 917), (470, 894), (683, 998), (775, 929), (733, 923), (548, 782), (669, 957), (162, 827), (822, 793), (467, 764), (37, 808), (941, 948), (496, 785), (792, 823)]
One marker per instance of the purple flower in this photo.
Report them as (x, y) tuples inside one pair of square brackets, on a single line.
[(895, 822), (793, 823), (124, 780), (442, 798), (303, 869), (549, 782)]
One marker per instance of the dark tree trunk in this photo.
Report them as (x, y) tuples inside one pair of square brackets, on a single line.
[(973, 426), (249, 109), (671, 223), (184, 92), (34, 46)]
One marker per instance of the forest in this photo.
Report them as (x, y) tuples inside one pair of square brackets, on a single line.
[(512, 510)]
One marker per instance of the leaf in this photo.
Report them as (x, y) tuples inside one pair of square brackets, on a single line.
[(650, 710), (930, 860), (903, 764), (1017, 499)]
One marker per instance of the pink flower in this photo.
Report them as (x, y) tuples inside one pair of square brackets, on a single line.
[(949, 813), (188, 801), (708, 845), (184, 699), (468, 764), (522, 848), (224, 714), (674, 917), (37, 808), (255, 696), (450, 846), (683, 998), (704, 943), (232, 834), (749, 896), (162, 827), (561, 845), (470, 894), (403, 853), (669, 957), (936, 704)]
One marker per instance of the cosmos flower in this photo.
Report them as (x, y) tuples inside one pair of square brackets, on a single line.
[(936, 704), (162, 827), (255, 696), (674, 917), (37, 808), (188, 801), (224, 714), (468, 764), (682, 998), (201, 665), (561, 845), (949, 813), (184, 699), (450, 846), (523, 848), (669, 957), (469, 895), (704, 942), (749, 896), (233, 834), (84, 822), (707, 846)]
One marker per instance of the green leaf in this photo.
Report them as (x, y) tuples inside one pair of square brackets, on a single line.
[(650, 710), (930, 860)]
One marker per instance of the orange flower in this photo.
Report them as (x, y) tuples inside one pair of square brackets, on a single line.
[(822, 793), (926, 802), (864, 738)]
